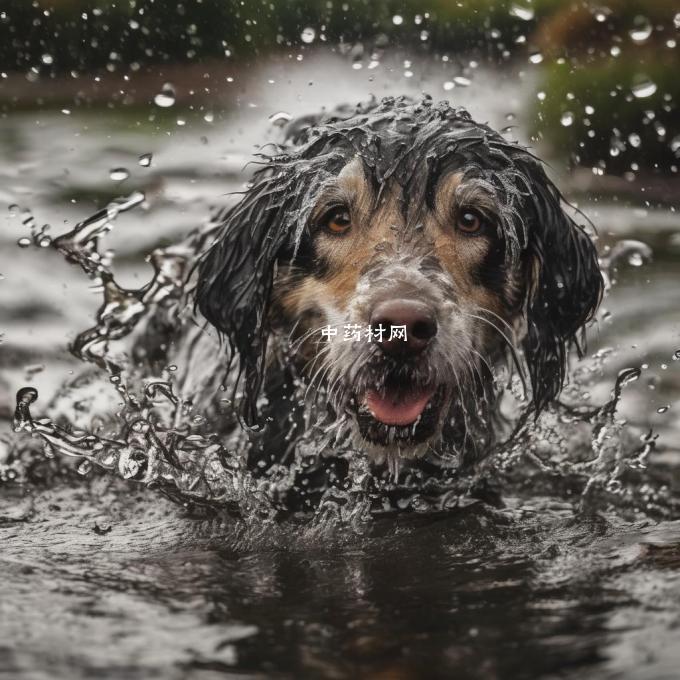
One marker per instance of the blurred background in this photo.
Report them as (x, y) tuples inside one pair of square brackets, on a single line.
[(98, 99)]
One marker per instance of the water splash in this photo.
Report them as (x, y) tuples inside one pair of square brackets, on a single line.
[(155, 437)]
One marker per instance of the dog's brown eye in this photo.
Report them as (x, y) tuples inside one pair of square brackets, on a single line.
[(337, 221), (469, 222)]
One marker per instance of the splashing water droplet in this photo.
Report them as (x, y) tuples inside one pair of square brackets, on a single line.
[(522, 12), (535, 57), (308, 35), (84, 468), (166, 97), (118, 174), (567, 118), (627, 376), (145, 160), (643, 89), (280, 118), (635, 253), (663, 409), (47, 59), (397, 20), (642, 29), (676, 21)]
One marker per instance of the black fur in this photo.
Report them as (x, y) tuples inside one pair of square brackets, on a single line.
[(400, 139)]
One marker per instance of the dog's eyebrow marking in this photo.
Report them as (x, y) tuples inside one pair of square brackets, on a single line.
[(351, 187)]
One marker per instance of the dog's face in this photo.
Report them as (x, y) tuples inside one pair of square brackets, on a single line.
[(401, 253)]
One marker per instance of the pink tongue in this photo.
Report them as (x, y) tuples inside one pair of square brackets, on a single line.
[(402, 411)]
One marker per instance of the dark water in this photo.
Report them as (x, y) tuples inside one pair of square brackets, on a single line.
[(105, 578)]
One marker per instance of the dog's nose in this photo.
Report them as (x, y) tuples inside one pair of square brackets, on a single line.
[(417, 319)]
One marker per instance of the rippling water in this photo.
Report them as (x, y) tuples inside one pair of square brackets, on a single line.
[(574, 575)]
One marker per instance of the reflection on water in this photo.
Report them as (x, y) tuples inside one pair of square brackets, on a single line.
[(104, 576)]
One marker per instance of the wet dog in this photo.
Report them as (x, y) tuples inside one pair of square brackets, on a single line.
[(386, 260)]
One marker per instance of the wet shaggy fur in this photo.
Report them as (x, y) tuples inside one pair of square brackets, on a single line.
[(522, 292)]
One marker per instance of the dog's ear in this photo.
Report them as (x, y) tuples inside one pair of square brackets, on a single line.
[(565, 287), (235, 278), (267, 227)]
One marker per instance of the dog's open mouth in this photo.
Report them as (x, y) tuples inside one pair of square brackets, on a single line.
[(407, 416), (397, 409)]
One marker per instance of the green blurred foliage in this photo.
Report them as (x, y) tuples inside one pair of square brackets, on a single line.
[(618, 129), (45, 38), (84, 34)]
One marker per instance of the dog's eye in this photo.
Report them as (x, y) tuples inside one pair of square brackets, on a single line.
[(336, 221), (469, 222)]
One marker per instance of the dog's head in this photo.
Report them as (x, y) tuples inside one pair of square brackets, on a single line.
[(402, 250)]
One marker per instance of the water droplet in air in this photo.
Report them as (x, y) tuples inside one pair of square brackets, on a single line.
[(676, 355), (166, 97), (663, 409), (521, 12), (567, 118), (84, 468), (308, 35), (676, 21), (280, 118), (118, 174), (642, 29), (462, 81), (635, 260), (645, 88), (535, 57), (627, 376), (397, 20), (24, 242), (145, 160), (448, 85)]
